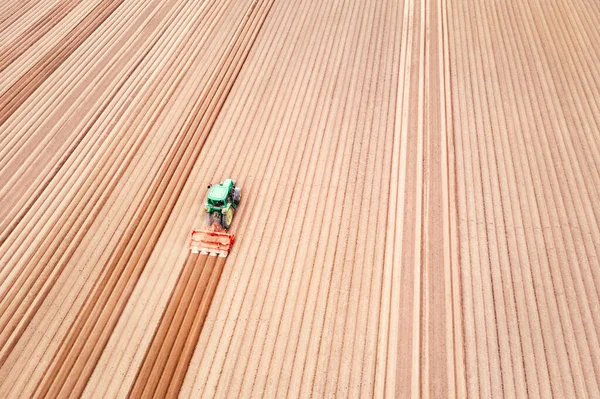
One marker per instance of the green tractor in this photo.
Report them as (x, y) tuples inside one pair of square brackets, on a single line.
[(221, 202)]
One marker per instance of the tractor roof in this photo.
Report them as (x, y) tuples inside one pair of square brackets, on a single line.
[(218, 192)]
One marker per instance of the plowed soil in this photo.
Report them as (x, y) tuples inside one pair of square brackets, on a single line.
[(420, 207)]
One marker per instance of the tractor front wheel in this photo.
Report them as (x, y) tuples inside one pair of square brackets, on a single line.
[(227, 218)]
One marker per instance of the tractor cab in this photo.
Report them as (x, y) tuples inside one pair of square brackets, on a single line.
[(218, 193)]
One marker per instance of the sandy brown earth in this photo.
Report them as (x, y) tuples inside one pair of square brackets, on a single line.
[(420, 199)]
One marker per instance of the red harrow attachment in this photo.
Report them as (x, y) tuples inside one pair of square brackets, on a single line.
[(214, 242)]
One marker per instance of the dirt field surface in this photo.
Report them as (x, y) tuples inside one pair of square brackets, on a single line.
[(420, 209)]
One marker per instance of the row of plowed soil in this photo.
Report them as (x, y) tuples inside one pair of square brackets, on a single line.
[(145, 171), (525, 97), (419, 207)]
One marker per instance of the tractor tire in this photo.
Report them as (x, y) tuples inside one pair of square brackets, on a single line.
[(209, 218), (227, 218), (237, 195)]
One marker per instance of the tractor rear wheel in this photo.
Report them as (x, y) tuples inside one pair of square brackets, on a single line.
[(237, 195), (208, 217), (227, 218)]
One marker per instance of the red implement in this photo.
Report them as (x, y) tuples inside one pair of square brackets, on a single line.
[(212, 242)]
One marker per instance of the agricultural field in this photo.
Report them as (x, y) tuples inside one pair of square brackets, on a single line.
[(420, 209)]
